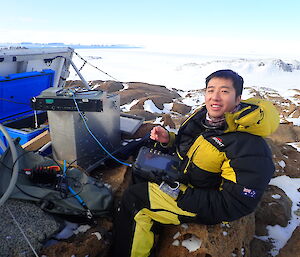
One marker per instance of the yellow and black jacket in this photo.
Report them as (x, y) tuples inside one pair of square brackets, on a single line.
[(226, 169)]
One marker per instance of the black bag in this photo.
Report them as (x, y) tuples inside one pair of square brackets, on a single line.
[(75, 194)]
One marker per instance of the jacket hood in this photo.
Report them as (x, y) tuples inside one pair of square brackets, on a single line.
[(257, 116)]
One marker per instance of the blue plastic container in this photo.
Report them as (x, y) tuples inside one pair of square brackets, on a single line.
[(16, 90), (16, 114)]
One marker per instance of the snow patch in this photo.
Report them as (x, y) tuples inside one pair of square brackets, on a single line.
[(176, 243), (296, 145), (98, 235), (295, 121), (280, 235), (192, 244), (184, 226), (126, 107), (282, 164), (176, 235), (151, 107), (276, 196)]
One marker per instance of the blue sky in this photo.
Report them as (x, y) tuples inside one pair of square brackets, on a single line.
[(226, 24)]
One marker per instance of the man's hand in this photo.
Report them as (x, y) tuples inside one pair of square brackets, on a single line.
[(160, 134)]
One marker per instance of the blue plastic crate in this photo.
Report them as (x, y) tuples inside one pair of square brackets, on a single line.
[(23, 128), (16, 90), (16, 114)]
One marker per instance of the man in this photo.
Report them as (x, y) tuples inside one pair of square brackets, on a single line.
[(226, 167)]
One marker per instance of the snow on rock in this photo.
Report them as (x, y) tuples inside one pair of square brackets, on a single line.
[(151, 107), (98, 235), (126, 107), (282, 164), (185, 226), (280, 235), (296, 145), (176, 235), (276, 196), (176, 243), (192, 244)]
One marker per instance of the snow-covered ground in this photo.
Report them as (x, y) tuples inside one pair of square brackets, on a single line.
[(188, 72)]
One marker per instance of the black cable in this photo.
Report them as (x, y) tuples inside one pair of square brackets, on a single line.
[(11, 101), (95, 66), (30, 195)]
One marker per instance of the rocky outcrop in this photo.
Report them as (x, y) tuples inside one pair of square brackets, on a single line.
[(180, 108), (260, 248), (274, 208), (286, 133), (158, 100), (167, 121), (145, 114), (230, 239), (137, 90), (94, 242), (286, 159), (108, 86), (292, 248)]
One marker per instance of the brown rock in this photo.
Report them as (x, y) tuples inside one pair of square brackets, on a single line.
[(179, 120), (143, 130), (168, 121), (296, 113), (286, 133), (181, 108), (286, 159), (127, 96), (153, 89), (73, 83), (215, 241), (138, 90), (292, 248), (92, 243), (272, 211), (110, 86), (145, 114), (114, 176), (158, 100), (260, 248)]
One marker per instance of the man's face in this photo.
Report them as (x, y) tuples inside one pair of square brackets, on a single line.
[(220, 97)]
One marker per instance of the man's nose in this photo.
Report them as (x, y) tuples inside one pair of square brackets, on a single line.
[(216, 95)]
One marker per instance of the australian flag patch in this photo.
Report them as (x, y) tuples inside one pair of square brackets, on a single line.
[(249, 192)]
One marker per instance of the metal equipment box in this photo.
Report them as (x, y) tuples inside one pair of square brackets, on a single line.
[(71, 135)]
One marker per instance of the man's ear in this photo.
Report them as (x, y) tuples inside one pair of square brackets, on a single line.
[(238, 99)]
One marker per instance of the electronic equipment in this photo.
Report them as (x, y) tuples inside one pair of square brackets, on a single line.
[(70, 112), (155, 166), (54, 99)]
